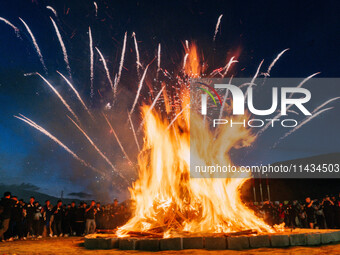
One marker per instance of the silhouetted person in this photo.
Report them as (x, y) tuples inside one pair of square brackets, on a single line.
[(57, 212), (90, 213), (30, 211), (328, 209), (47, 213), (72, 214), (7, 203), (310, 212)]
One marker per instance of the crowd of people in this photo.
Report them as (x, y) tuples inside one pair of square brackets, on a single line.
[(22, 220), (317, 213)]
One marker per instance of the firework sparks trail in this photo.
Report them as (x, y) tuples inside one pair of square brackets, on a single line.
[(150, 109), (225, 99), (35, 44), (137, 53), (325, 103), (91, 63), (158, 59), (274, 62), (185, 60), (227, 67), (77, 94), (254, 78), (52, 10), (45, 132), (303, 82), (16, 30), (120, 66), (133, 131), (139, 89), (97, 149), (117, 139), (217, 26), (176, 117), (63, 48), (58, 95), (96, 8), (187, 44), (106, 69), (308, 119)]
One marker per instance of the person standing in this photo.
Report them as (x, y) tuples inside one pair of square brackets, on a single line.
[(310, 212), (30, 211), (47, 213), (72, 214), (328, 209), (57, 212), (17, 220), (90, 213), (7, 203)]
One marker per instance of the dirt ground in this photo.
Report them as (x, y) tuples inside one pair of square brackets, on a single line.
[(74, 245)]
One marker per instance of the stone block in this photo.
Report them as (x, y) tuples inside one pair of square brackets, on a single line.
[(297, 239), (238, 242), (279, 240), (259, 241), (192, 242), (313, 238), (175, 243), (127, 244), (149, 244), (91, 243), (216, 243)]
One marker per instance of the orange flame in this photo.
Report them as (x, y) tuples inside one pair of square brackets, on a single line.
[(167, 199)]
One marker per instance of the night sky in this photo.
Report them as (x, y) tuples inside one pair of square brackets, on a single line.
[(257, 29)]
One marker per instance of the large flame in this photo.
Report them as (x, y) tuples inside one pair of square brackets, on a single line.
[(167, 199)]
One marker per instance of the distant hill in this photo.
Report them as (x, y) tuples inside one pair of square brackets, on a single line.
[(25, 191)]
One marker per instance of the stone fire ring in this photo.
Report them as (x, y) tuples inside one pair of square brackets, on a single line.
[(296, 237)]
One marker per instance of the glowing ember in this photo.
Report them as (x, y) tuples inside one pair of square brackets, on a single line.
[(167, 200)]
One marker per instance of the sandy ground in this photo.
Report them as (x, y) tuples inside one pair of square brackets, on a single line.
[(74, 245)]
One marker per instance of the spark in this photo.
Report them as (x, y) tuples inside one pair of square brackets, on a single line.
[(176, 117), (303, 82), (96, 148), (63, 48), (308, 119), (325, 103), (159, 59), (137, 53), (151, 107), (118, 141), (217, 26), (16, 30), (45, 132), (58, 95), (185, 60), (254, 78), (227, 67), (53, 10), (96, 8), (120, 66), (35, 45), (274, 62), (187, 44), (139, 89), (133, 131), (106, 69), (91, 63), (77, 94)]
